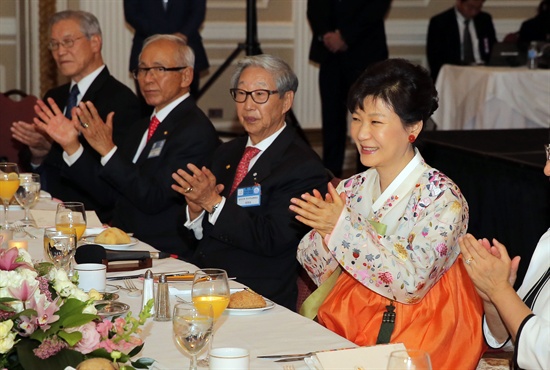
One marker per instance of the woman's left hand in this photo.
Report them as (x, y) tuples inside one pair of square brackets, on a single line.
[(318, 213)]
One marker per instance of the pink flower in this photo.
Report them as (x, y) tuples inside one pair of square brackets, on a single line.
[(8, 260), (23, 292), (26, 326), (119, 325), (442, 249), (386, 277), (104, 327), (49, 347), (90, 338), (45, 316)]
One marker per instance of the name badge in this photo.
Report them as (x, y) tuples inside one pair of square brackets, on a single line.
[(156, 148), (249, 197)]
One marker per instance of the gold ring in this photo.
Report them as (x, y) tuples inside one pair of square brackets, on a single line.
[(188, 190), (469, 260), (84, 124)]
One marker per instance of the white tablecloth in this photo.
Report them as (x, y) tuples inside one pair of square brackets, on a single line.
[(482, 98), (273, 331)]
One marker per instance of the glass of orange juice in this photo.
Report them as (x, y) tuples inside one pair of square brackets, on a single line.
[(210, 289), (9, 182), (71, 215)]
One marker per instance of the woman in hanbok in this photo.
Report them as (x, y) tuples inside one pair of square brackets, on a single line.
[(384, 243), (513, 321)]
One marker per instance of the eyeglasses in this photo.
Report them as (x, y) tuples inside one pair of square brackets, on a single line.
[(547, 147), (260, 96), (67, 43), (141, 72)]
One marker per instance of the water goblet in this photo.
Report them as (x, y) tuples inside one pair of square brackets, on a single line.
[(71, 215), (211, 286), (60, 247), (411, 359), (27, 194), (9, 182), (192, 328)]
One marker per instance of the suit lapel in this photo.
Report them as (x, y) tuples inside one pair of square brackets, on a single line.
[(92, 91)]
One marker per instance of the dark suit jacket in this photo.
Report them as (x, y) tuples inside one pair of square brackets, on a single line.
[(361, 23), (145, 203), (258, 244), (443, 45), (148, 18), (108, 95)]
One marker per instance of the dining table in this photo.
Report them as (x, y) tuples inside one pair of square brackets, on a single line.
[(486, 98), (276, 330)]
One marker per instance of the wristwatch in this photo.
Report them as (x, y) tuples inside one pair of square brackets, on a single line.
[(215, 207)]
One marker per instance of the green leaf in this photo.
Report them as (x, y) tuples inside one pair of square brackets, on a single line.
[(78, 320), (142, 363), (43, 268), (136, 350), (64, 358), (71, 338), (100, 352), (8, 299)]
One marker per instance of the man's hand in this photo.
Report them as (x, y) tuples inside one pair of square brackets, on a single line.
[(99, 134), (38, 142), (57, 126), (335, 42)]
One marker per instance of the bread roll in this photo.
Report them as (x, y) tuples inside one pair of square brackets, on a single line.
[(246, 299), (112, 235)]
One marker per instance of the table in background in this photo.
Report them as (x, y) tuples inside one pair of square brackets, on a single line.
[(481, 98)]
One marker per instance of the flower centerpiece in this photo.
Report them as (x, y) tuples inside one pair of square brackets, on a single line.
[(47, 322)]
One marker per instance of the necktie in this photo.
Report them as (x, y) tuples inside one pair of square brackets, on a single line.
[(71, 101), (242, 169), (152, 127), (468, 49)]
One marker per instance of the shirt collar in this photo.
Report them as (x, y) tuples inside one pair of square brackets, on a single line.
[(85, 83), (265, 143), (161, 114)]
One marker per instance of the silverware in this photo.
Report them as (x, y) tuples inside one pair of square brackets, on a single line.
[(136, 276), (300, 358), (288, 367), (132, 289), (294, 355), (21, 229)]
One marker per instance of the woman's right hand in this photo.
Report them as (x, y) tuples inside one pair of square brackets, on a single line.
[(318, 213)]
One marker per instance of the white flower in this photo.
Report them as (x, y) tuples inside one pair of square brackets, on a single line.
[(7, 337)]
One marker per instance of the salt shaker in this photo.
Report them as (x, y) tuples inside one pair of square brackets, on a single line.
[(148, 290), (162, 303)]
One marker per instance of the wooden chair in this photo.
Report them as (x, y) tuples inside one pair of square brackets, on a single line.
[(10, 111)]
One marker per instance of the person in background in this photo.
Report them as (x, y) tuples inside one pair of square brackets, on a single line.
[(462, 35), (136, 173), (348, 36), (237, 210), (521, 320), (75, 44), (384, 247), (536, 28), (182, 18)]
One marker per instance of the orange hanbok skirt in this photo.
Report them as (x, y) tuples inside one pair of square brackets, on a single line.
[(446, 323)]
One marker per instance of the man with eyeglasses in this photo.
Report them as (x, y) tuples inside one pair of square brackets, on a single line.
[(75, 44), (238, 209), (135, 174)]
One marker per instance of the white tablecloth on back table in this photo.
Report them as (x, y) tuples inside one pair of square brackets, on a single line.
[(482, 98)]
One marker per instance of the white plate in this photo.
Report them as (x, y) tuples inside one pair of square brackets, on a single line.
[(249, 311), (90, 239)]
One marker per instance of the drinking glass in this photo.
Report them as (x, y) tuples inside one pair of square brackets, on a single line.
[(9, 182), (71, 215), (411, 359), (27, 194), (60, 247), (192, 328), (210, 286)]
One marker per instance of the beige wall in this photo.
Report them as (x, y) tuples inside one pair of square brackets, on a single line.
[(282, 30)]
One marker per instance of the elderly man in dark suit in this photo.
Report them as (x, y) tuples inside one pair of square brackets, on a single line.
[(182, 18), (348, 36), (462, 35), (238, 210), (75, 43), (137, 172)]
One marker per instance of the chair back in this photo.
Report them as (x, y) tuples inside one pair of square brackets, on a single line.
[(10, 111)]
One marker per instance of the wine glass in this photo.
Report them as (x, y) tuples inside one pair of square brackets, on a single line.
[(27, 194), (192, 327), (60, 247), (411, 359), (9, 182), (71, 215), (210, 286)]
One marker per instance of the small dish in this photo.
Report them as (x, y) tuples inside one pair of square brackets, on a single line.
[(110, 308), (90, 239)]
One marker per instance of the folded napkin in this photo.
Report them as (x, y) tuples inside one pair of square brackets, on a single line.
[(364, 358), (46, 218)]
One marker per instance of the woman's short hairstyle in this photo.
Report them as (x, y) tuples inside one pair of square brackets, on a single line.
[(89, 25), (405, 87), (185, 57), (284, 76)]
